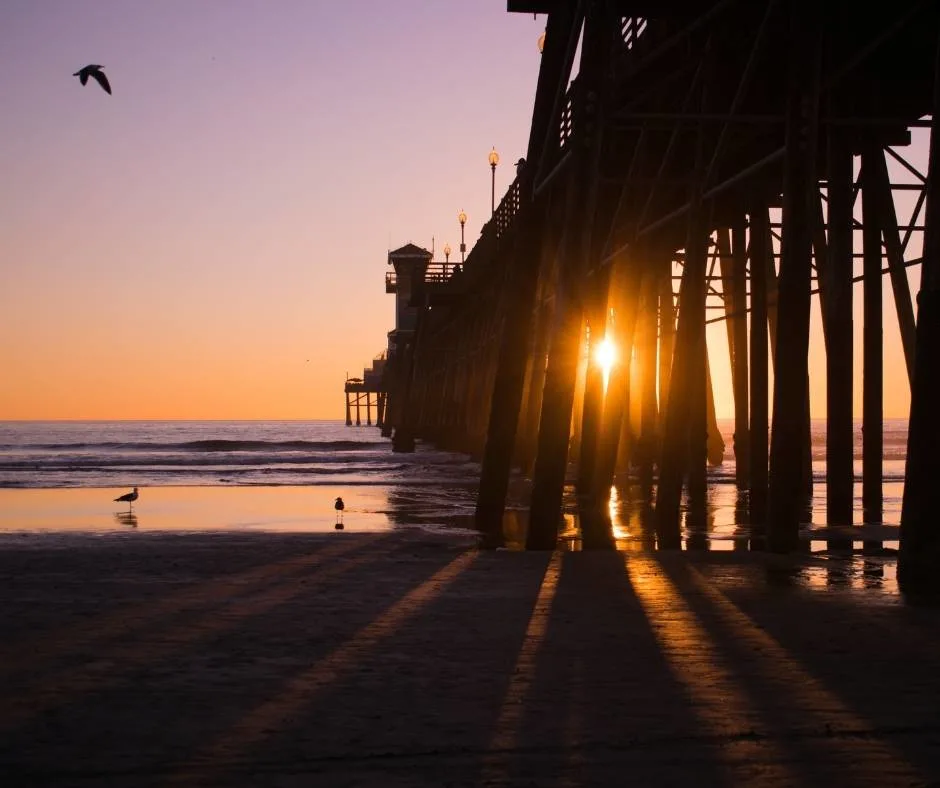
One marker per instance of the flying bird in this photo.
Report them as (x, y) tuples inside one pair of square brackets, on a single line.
[(129, 497), (96, 72)]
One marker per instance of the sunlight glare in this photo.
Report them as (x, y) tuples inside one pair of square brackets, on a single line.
[(606, 355)]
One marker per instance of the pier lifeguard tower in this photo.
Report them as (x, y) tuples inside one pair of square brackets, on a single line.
[(410, 264)]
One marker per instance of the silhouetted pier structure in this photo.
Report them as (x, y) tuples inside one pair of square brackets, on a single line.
[(743, 152), (369, 390)]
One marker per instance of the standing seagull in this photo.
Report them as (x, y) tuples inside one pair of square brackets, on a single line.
[(96, 72), (130, 498), (339, 506)]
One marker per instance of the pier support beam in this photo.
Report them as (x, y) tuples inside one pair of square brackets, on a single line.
[(667, 332), (555, 423), (761, 252), (597, 291), (558, 393), (840, 473), (625, 291), (698, 385), (791, 371), (508, 385), (737, 335), (920, 537), (888, 221), (528, 438), (872, 343), (681, 426), (644, 341)]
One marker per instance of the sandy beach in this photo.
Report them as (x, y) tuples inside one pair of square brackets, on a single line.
[(407, 657)]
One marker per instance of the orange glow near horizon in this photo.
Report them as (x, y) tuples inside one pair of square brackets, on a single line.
[(195, 246)]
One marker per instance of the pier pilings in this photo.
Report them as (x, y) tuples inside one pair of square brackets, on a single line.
[(727, 164)]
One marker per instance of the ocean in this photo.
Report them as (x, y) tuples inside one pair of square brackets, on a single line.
[(51, 454), (426, 486)]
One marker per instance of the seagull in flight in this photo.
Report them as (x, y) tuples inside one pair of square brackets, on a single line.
[(129, 497), (96, 72)]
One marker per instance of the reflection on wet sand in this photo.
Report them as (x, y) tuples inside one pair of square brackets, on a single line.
[(627, 522), (126, 519)]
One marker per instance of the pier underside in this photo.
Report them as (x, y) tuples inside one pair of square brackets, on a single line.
[(701, 163)]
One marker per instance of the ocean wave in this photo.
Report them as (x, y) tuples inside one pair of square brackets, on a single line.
[(213, 445), (375, 461), (209, 470)]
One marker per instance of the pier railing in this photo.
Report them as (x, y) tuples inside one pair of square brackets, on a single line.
[(504, 217)]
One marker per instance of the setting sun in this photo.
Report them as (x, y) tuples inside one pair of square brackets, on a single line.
[(606, 355)]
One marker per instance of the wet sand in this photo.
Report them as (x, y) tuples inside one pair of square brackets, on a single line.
[(185, 509), (410, 658)]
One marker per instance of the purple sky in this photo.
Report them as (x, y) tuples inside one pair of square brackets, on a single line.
[(182, 247)]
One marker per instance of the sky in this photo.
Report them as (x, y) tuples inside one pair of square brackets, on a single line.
[(210, 241)]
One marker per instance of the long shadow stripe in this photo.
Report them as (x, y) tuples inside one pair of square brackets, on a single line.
[(716, 699), (229, 748), (575, 761), (865, 759), (115, 665), (28, 656), (506, 731)]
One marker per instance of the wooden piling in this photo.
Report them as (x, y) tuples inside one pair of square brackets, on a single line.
[(698, 385), (920, 538), (787, 444), (739, 365), (678, 419), (582, 198), (840, 473), (667, 331), (624, 295), (760, 251), (734, 297), (555, 423), (872, 342), (888, 221), (509, 379), (644, 341), (597, 292)]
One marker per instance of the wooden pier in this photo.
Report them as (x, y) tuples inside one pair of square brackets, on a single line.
[(367, 392), (701, 161)]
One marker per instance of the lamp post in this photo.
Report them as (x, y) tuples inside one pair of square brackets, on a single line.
[(446, 258), (462, 218), (494, 160)]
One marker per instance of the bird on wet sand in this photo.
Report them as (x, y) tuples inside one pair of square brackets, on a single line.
[(129, 497), (339, 506), (96, 73)]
